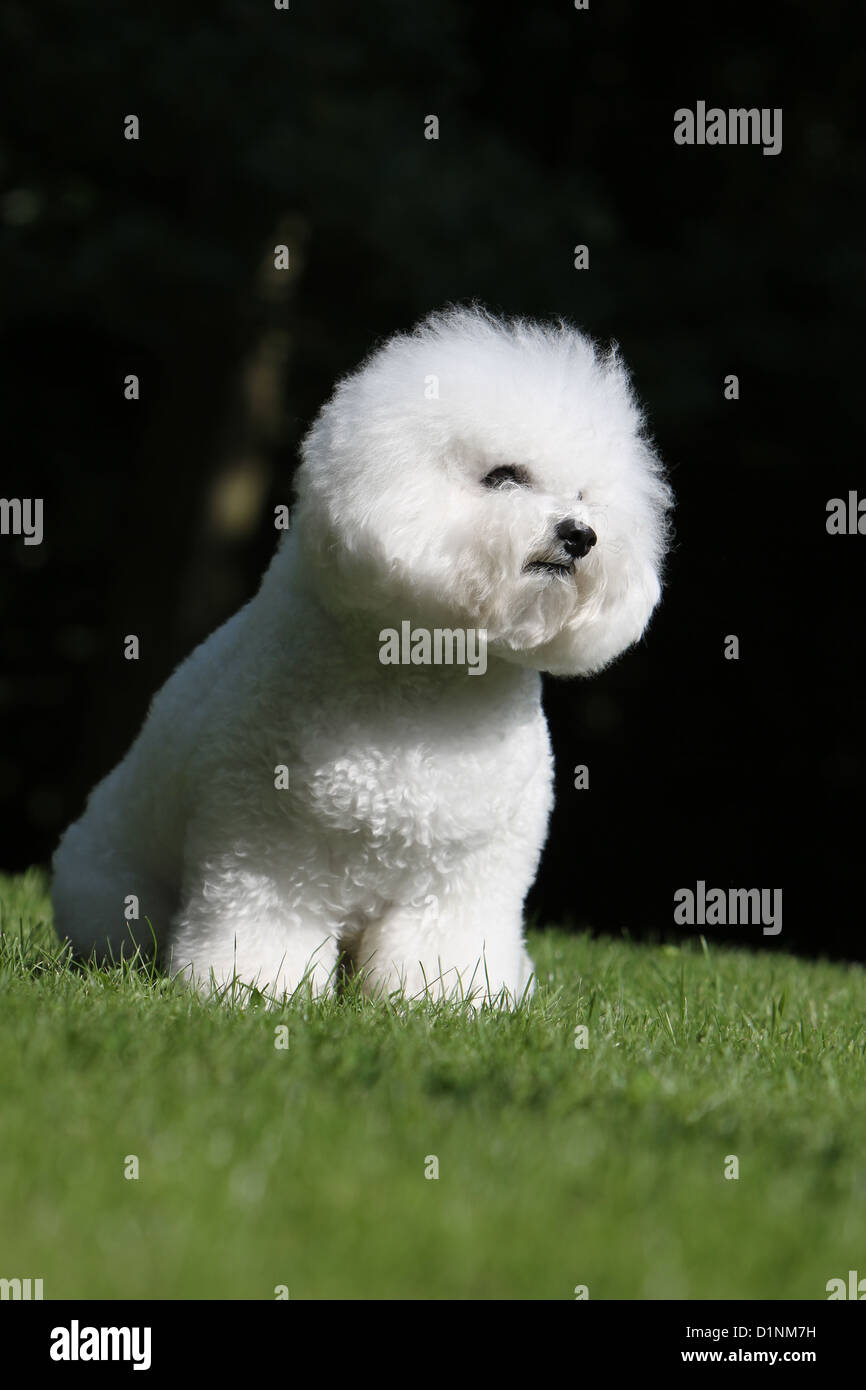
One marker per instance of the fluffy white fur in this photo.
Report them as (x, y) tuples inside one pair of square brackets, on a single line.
[(419, 795)]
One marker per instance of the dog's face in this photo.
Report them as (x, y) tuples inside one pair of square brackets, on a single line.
[(485, 474)]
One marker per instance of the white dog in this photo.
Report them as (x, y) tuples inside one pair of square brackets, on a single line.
[(475, 477)]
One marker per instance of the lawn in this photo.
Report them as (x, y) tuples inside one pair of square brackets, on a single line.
[(304, 1166)]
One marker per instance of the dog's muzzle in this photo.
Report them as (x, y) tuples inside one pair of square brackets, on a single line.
[(575, 542)]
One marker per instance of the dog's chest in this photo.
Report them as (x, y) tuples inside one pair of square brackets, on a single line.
[(427, 777)]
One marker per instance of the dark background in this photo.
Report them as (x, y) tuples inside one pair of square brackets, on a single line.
[(556, 128)]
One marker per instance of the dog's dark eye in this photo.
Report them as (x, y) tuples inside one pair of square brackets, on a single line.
[(505, 474)]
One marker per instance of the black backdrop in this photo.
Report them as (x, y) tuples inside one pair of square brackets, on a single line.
[(556, 128)]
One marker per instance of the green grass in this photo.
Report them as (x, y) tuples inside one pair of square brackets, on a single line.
[(557, 1166)]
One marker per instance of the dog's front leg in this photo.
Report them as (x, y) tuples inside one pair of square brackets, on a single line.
[(241, 927)]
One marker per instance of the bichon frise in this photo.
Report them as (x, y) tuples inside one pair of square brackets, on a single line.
[(358, 760)]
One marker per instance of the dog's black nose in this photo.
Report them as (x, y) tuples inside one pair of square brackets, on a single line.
[(578, 540)]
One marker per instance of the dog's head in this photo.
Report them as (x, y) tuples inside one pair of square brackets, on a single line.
[(481, 473)]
